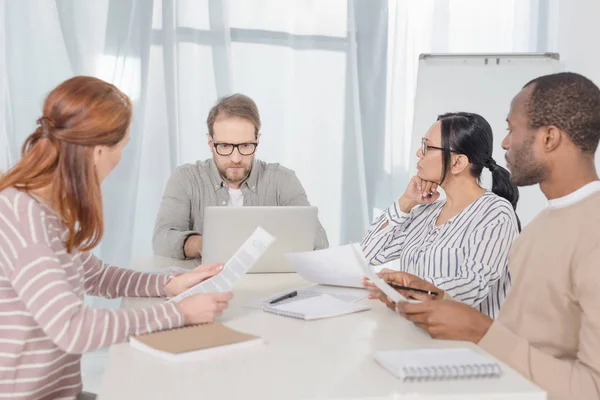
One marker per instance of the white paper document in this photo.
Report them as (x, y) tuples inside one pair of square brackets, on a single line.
[(346, 294), (322, 306), (237, 266), (377, 281), (336, 266)]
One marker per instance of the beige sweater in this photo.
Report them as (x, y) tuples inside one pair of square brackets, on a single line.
[(549, 326)]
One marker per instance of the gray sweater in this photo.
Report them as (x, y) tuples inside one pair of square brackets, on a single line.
[(195, 186)]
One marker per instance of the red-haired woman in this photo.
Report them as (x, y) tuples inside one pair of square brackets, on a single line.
[(50, 220)]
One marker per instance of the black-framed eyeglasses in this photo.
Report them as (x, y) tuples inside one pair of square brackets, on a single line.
[(226, 149), (425, 147)]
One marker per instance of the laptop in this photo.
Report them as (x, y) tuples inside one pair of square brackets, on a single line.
[(227, 228)]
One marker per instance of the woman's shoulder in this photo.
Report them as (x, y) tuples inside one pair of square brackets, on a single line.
[(494, 209), (16, 201), (491, 201), (22, 207), (429, 208)]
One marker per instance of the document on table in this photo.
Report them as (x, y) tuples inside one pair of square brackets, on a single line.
[(322, 306), (348, 295), (237, 266), (336, 266)]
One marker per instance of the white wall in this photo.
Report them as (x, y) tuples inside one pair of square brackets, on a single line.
[(578, 35)]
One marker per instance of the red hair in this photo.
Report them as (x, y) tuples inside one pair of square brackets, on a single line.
[(80, 114)]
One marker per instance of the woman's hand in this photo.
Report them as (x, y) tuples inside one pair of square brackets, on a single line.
[(181, 283), (203, 308), (418, 191)]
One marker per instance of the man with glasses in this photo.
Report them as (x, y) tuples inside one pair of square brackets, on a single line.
[(233, 177)]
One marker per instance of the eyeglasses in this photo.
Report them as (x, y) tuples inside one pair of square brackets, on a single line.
[(425, 147), (226, 149)]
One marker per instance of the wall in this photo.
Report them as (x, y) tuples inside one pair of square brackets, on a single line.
[(578, 35)]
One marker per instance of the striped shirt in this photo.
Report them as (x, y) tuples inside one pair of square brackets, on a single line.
[(467, 256), (44, 324)]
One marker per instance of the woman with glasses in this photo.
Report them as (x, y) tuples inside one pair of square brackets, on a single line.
[(460, 243)]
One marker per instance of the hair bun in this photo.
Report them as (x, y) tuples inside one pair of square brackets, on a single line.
[(47, 125)]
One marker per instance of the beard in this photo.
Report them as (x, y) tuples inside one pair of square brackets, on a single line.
[(525, 170), (235, 176)]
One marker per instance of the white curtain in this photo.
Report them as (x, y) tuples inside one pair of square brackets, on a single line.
[(334, 81), (447, 26)]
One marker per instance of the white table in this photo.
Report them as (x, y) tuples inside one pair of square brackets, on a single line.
[(323, 359)]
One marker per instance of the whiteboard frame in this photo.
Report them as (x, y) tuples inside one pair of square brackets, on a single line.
[(425, 56)]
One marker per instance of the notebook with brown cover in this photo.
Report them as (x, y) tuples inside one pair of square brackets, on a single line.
[(193, 342)]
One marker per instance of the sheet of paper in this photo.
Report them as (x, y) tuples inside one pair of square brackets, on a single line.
[(349, 295), (336, 266), (237, 266), (322, 306), (380, 283)]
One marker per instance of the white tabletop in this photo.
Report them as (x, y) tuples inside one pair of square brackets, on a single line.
[(323, 359)]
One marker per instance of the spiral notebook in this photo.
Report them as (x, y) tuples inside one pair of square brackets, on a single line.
[(194, 342), (317, 307), (437, 364)]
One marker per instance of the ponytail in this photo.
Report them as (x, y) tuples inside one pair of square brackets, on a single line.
[(79, 114), (503, 186), (65, 167), (39, 159), (470, 134)]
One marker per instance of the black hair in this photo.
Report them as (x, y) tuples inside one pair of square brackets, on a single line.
[(470, 134), (569, 101)]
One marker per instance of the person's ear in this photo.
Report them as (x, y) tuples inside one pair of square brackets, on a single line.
[(459, 163), (551, 138), (210, 142)]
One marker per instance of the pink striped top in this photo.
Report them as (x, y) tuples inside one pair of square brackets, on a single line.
[(44, 324)]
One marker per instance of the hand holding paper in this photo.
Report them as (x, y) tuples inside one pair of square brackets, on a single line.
[(204, 308), (233, 270), (382, 285), (187, 279), (414, 287)]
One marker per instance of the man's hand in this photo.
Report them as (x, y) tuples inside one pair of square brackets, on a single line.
[(192, 248), (413, 281), (447, 319), (402, 279), (183, 282)]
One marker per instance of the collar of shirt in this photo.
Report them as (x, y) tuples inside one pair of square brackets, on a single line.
[(575, 196), (219, 183)]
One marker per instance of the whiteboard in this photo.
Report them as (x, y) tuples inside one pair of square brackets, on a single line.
[(484, 84)]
